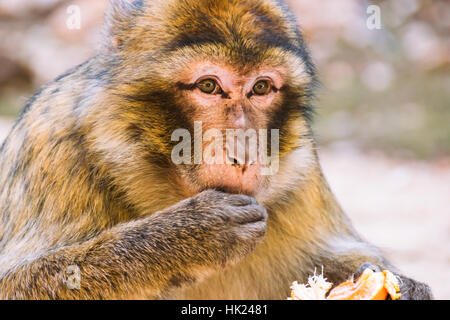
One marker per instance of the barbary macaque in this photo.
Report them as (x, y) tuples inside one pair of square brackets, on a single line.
[(89, 184)]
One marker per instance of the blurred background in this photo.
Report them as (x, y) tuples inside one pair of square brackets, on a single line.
[(383, 110)]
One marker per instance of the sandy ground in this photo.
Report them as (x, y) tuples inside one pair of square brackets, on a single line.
[(402, 207)]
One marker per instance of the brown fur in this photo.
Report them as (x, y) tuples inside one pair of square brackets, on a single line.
[(86, 171)]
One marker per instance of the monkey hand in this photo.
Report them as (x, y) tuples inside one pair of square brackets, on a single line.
[(215, 228), (410, 289)]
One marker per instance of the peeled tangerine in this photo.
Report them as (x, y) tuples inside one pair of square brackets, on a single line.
[(369, 286)]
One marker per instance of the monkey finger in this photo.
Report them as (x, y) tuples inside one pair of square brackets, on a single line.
[(365, 266), (217, 197), (250, 214), (240, 200), (252, 231)]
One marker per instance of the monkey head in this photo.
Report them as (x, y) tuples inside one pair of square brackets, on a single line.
[(227, 64)]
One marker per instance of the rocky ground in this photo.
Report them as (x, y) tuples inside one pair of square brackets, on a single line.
[(401, 206)]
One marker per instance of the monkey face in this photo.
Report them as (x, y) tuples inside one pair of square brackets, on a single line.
[(228, 65), (262, 100), (226, 100)]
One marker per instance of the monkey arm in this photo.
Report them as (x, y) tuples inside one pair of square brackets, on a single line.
[(146, 257), (125, 260)]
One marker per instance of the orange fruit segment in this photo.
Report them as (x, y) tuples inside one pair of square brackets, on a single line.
[(369, 286), (391, 285)]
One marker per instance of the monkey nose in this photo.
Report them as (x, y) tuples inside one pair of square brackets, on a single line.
[(242, 164), (241, 121)]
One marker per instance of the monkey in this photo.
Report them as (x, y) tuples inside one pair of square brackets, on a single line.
[(88, 179)]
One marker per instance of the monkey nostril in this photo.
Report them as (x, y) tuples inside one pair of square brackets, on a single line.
[(234, 161), (242, 166), (242, 163)]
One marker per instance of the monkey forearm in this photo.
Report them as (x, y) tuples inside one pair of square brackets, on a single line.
[(123, 261)]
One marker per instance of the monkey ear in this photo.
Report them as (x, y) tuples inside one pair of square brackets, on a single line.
[(119, 16)]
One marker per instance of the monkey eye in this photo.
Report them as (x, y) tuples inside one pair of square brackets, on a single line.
[(262, 87), (209, 86)]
